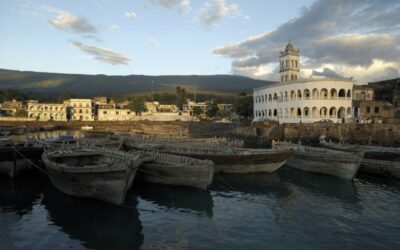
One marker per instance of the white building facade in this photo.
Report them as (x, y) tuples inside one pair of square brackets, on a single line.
[(47, 111), (81, 109), (302, 100)]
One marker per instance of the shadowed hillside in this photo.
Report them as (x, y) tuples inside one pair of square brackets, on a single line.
[(92, 85)]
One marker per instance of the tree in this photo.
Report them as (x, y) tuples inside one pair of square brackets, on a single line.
[(197, 111), (212, 109), (223, 114), (21, 113), (180, 97), (137, 105), (244, 106)]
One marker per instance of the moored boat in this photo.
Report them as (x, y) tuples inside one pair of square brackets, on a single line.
[(17, 160), (377, 160), (229, 159), (323, 161), (101, 174), (174, 170)]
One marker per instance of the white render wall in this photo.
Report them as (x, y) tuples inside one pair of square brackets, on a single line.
[(282, 102)]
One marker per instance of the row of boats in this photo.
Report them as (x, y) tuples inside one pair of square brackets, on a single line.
[(104, 167)]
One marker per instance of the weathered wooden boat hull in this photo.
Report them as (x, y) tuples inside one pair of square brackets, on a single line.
[(15, 168), (190, 176), (79, 173), (14, 161), (105, 186), (380, 167), (376, 161), (250, 163), (249, 168), (329, 164)]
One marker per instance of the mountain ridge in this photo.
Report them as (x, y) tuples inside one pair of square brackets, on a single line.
[(99, 84)]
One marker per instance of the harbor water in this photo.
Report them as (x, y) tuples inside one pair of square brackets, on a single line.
[(288, 209)]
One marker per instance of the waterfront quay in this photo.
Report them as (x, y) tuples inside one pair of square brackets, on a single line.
[(259, 134)]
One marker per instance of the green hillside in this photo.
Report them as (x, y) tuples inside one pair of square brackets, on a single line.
[(92, 85)]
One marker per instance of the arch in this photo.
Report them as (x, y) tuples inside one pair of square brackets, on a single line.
[(280, 113), (314, 112), (262, 113), (281, 96), (324, 93), (315, 93), (348, 93), (307, 94), (269, 113), (298, 112), (349, 111), (292, 95), (262, 98), (292, 113), (286, 96), (266, 97), (299, 94), (306, 112), (286, 115), (270, 97), (333, 94), (341, 114), (332, 112), (275, 112), (342, 93), (323, 112), (31, 115), (275, 96)]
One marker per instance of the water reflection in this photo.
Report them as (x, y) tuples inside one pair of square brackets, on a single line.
[(97, 225), (324, 185), (19, 195), (47, 134), (180, 198)]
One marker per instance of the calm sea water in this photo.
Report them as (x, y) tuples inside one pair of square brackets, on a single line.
[(289, 209)]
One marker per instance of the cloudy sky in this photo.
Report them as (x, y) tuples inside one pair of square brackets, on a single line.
[(358, 38)]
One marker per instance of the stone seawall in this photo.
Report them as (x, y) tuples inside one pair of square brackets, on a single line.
[(256, 134), (377, 134)]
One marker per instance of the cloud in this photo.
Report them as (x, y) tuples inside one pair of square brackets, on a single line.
[(113, 27), (71, 24), (154, 42), (102, 54), (327, 73), (214, 11), (354, 35), (130, 15), (184, 5)]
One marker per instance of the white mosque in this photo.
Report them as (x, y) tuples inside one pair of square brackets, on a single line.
[(295, 100)]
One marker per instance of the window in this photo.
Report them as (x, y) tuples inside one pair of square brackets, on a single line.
[(104, 112), (368, 109), (376, 110)]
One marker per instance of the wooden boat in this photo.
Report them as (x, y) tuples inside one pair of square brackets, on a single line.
[(162, 140), (96, 133), (16, 160), (323, 161), (101, 174), (377, 160), (174, 170), (228, 159)]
